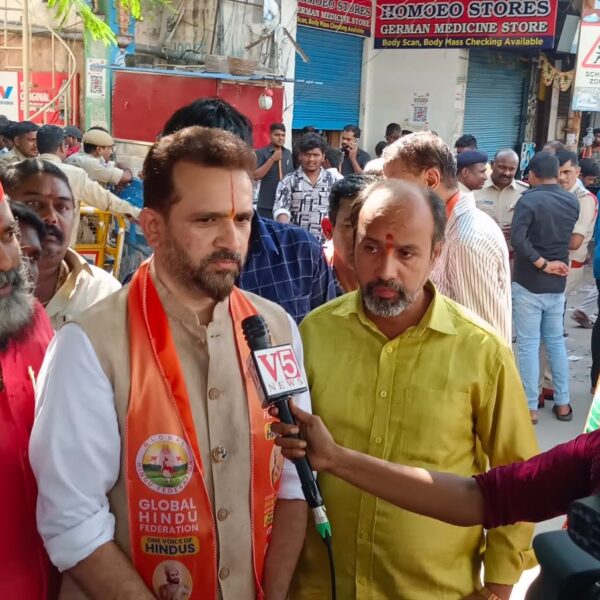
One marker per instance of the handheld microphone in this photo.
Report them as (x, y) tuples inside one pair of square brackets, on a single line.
[(278, 376)]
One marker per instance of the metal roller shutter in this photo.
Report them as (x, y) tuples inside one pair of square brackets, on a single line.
[(327, 89), (496, 89)]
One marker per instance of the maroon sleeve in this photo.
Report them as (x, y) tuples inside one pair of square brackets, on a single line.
[(543, 486)]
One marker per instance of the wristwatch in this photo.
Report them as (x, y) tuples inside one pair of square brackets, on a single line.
[(488, 594), (543, 266)]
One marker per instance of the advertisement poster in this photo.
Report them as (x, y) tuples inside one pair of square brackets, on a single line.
[(586, 95), (341, 16), (43, 89), (507, 24), (9, 95)]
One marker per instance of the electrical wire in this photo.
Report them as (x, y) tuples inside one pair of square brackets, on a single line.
[(329, 546)]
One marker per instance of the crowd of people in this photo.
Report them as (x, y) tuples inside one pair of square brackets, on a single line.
[(142, 463)]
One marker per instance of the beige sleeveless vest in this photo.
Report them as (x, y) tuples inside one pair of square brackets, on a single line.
[(216, 391)]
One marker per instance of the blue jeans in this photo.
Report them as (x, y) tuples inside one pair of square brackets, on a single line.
[(540, 317)]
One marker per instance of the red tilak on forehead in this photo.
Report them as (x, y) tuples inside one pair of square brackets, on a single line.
[(389, 243), (232, 213), (1, 193)]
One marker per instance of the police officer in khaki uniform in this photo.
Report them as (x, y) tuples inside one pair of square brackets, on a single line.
[(95, 159), (51, 143), (502, 191)]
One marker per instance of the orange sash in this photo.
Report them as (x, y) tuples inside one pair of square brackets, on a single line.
[(452, 203), (172, 529)]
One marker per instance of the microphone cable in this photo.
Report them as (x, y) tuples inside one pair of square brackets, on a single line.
[(329, 545)]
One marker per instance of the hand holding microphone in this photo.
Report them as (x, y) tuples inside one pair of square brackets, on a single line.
[(316, 442), (278, 376)]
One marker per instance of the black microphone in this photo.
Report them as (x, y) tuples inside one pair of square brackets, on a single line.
[(278, 376)]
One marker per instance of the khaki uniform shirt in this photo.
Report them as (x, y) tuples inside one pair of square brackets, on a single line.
[(463, 188), (90, 192), (85, 285), (588, 211), (499, 204), (106, 173), (11, 157)]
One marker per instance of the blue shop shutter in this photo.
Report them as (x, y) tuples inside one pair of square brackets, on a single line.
[(496, 89), (327, 89)]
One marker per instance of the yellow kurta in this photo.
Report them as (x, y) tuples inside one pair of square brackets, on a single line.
[(429, 398)]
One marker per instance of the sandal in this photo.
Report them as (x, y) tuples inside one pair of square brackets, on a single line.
[(567, 417), (582, 319)]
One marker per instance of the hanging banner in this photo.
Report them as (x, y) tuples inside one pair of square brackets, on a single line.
[(586, 95), (44, 86), (429, 24), (339, 16), (9, 95)]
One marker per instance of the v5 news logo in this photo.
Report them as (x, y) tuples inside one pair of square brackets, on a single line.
[(279, 371), (5, 92)]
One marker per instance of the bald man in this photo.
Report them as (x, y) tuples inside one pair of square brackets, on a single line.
[(424, 383), (501, 191)]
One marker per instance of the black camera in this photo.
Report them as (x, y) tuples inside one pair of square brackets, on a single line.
[(570, 560)]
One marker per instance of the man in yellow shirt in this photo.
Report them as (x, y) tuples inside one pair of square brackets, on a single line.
[(401, 372)]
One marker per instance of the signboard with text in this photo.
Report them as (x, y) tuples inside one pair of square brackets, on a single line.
[(586, 94), (43, 88), (416, 24), (9, 95), (339, 16)]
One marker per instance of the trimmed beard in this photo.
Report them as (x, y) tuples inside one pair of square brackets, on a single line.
[(382, 307), (17, 309), (196, 277)]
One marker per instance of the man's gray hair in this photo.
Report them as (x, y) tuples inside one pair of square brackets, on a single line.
[(421, 151)]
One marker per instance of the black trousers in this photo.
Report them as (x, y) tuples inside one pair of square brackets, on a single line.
[(596, 344)]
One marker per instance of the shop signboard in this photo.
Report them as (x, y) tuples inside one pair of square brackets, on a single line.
[(586, 95), (9, 95), (338, 16), (500, 24), (44, 86)]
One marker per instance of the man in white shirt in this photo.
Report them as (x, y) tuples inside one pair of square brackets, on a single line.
[(67, 284), (148, 388), (52, 147), (473, 267), (333, 162), (501, 191), (472, 170)]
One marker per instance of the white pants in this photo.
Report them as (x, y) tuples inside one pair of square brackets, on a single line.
[(589, 306)]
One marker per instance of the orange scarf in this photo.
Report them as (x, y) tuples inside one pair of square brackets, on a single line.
[(172, 529), (452, 203)]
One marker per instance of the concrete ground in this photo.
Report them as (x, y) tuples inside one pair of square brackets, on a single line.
[(550, 431)]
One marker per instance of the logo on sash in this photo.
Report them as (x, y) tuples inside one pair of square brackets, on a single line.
[(276, 465), (172, 581), (164, 463)]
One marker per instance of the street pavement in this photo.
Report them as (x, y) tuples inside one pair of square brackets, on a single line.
[(549, 430)]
